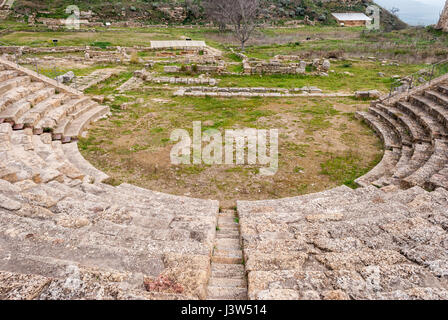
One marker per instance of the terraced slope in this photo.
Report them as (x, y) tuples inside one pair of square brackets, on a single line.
[(66, 235), (415, 135), (28, 100)]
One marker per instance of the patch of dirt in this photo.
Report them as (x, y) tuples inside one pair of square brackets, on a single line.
[(311, 132)]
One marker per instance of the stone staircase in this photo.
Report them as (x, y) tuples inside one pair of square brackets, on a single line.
[(414, 130), (28, 100), (228, 278)]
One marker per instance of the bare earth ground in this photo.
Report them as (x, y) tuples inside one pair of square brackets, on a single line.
[(319, 145)]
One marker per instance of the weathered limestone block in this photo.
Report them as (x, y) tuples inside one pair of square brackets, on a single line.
[(66, 78), (374, 94), (326, 65)]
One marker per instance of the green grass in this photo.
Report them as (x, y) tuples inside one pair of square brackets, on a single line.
[(345, 168), (56, 71), (365, 77)]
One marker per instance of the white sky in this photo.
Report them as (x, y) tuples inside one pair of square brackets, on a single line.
[(433, 2)]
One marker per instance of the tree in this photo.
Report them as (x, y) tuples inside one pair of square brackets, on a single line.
[(395, 11), (212, 12), (240, 14), (192, 9)]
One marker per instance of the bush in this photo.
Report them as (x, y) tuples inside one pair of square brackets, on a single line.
[(134, 57), (101, 44)]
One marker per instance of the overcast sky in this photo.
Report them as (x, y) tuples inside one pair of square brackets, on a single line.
[(416, 12)]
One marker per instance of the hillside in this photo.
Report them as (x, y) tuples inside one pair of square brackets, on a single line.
[(190, 11)]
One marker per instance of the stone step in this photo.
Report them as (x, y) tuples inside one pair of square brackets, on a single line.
[(406, 156), (75, 128), (434, 164), (17, 286), (188, 206), (227, 213), (86, 108), (228, 234), (7, 85), (386, 133), (394, 124), (439, 111), (229, 220), (40, 277), (228, 225), (440, 179), (46, 266), (227, 229), (32, 116), (71, 151), (8, 74), (431, 125), (295, 203), (384, 169), (228, 244), (17, 94), (56, 116), (227, 256), (227, 283), (443, 88), (422, 152), (438, 97), (84, 240), (16, 110), (228, 271), (62, 125), (43, 147), (220, 293), (102, 256), (136, 213), (417, 132)]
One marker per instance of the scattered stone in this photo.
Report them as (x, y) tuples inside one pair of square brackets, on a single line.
[(66, 78), (375, 94)]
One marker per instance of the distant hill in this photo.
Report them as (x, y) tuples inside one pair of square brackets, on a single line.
[(181, 11), (416, 12)]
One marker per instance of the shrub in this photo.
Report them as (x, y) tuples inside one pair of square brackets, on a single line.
[(101, 44), (134, 57)]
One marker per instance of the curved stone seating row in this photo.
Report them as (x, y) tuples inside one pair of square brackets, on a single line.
[(60, 225), (28, 100), (376, 242), (392, 144), (360, 244), (417, 132), (418, 127)]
